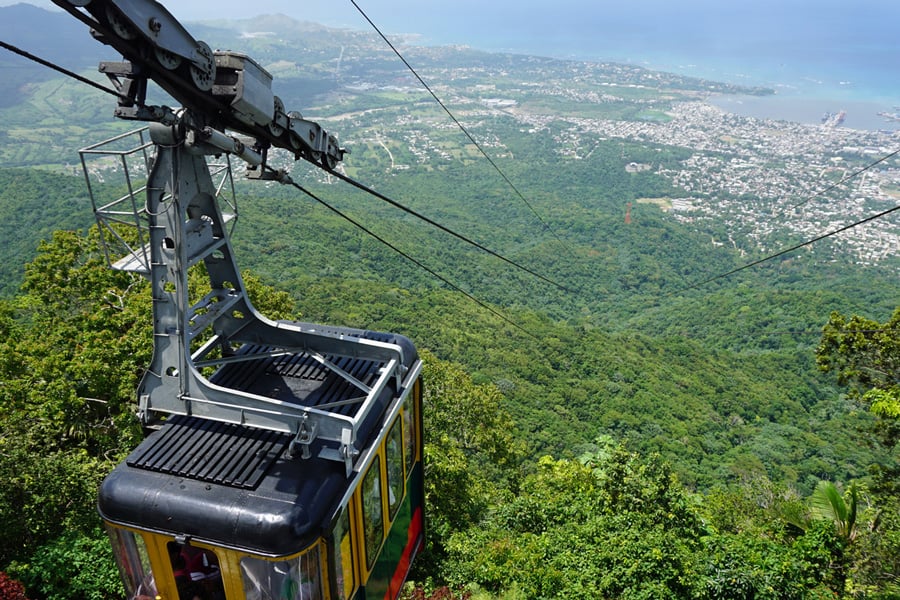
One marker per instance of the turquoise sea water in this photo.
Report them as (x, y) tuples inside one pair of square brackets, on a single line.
[(858, 74), (820, 56), (806, 90), (807, 86)]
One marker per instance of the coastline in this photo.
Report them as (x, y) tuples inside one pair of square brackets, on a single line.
[(800, 95), (860, 114)]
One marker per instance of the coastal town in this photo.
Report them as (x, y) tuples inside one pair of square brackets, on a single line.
[(768, 183), (762, 177)]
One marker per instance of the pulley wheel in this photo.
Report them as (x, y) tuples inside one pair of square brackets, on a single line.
[(204, 75), (120, 25), (168, 60), (295, 139), (274, 128)]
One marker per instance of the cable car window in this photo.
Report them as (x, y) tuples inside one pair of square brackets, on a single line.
[(373, 514), (343, 559), (394, 457), (134, 564), (409, 435), (196, 572), (294, 579)]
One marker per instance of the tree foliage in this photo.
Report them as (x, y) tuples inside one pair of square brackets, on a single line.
[(471, 456), (11, 589), (864, 355), (73, 565), (618, 525), (828, 503)]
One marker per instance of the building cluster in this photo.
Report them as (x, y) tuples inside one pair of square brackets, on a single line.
[(767, 182)]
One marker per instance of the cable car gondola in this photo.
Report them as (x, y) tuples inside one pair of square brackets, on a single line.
[(286, 457), (286, 460), (210, 510)]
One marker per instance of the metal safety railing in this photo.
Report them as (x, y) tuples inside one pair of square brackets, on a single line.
[(116, 171)]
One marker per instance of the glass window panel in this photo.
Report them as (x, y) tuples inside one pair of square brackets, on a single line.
[(373, 514), (343, 559), (409, 435), (299, 578), (196, 572), (134, 564), (394, 456)]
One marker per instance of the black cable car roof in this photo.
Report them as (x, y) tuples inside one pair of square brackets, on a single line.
[(224, 484), (239, 486)]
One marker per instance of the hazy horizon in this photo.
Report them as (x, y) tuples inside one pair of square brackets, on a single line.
[(823, 49)]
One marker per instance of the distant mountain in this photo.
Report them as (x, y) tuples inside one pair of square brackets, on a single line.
[(58, 34), (62, 40), (53, 36), (58, 37), (279, 25)]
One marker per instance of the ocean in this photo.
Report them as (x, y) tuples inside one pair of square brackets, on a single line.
[(820, 57)]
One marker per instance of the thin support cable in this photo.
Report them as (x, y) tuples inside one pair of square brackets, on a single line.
[(463, 129), (419, 264), (789, 250), (445, 229), (846, 178), (62, 70)]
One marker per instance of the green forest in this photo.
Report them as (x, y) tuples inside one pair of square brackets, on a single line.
[(638, 426), (638, 508)]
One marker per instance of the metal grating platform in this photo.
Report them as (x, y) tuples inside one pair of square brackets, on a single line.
[(300, 379), (210, 451)]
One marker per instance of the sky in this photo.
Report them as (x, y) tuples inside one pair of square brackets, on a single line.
[(312, 10), (542, 15)]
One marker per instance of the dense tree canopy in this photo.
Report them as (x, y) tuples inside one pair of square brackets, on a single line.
[(609, 523), (865, 356)]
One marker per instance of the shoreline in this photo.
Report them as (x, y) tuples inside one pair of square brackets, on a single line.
[(860, 114), (798, 98)]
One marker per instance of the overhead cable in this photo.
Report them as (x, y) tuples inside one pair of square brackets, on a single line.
[(443, 228), (789, 250), (421, 265), (62, 70), (847, 178), (460, 125)]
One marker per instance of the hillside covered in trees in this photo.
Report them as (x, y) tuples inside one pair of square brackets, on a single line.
[(632, 432), (604, 518)]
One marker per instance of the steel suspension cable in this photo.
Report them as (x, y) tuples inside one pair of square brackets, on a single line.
[(789, 250), (60, 69), (461, 127), (847, 178), (443, 228), (288, 181)]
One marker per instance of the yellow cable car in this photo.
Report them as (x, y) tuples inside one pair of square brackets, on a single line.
[(211, 510), (288, 463)]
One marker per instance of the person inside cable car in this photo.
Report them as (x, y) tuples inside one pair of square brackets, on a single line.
[(196, 572)]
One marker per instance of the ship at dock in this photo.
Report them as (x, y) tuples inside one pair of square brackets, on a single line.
[(834, 119), (893, 117)]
